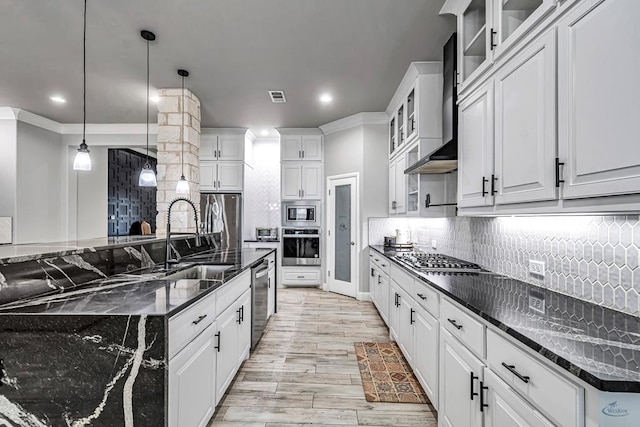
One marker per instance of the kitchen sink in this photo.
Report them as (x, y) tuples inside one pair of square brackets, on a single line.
[(199, 272)]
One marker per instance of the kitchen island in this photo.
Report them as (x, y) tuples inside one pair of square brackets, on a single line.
[(98, 354)]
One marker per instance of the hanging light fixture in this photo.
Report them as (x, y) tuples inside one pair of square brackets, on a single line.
[(147, 176), (182, 187), (82, 162)]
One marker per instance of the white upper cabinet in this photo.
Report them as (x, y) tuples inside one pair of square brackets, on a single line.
[(221, 176), (475, 148), (301, 181), (598, 100), (525, 125), (226, 145), (488, 28), (300, 147), (415, 110), (392, 188)]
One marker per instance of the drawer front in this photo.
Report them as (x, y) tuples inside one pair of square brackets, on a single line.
[(551, 393), (230, 292), (381, 262), (463, 326), (301, 276), (427, 298), (185, 326), (404, 280)]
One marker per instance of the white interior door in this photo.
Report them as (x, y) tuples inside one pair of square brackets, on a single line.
[(342, 235)]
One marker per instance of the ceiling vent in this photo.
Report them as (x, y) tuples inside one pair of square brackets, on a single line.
[(277, 96)]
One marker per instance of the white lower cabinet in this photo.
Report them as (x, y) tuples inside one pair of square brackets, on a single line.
[(383, 296), (394, 310), (425, 352), (460, 382), (506, 408), (233, 341), (192, 391), (406, 319)]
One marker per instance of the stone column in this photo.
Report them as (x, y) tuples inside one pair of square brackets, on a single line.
[(170, 108)]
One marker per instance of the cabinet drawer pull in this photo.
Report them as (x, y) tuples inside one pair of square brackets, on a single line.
[(199, 319), (422, 297), (473, 379), (512, 368), (454, 323), (300, 277), (482, 389), (217, 347), (384, 265)]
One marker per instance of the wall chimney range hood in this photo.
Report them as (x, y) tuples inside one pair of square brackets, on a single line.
[(445, 158), (442, 160)]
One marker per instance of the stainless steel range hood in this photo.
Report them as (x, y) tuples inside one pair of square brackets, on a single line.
[(442, 160)]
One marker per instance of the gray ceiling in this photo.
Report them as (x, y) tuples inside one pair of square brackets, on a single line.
[(236, 50)]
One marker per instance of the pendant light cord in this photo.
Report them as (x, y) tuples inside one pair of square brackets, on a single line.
[(147, 100), (182, 128), (84, 74)]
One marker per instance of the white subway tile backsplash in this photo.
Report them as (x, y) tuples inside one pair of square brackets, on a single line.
[(594, 258)]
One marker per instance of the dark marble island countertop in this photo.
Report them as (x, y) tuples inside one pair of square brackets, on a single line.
[(599, 345), (142, 292)]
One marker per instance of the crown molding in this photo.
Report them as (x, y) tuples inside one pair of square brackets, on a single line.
[(109, 129), (355, 120), (36, 120), (251, 136), (298, 131), (7, 113)]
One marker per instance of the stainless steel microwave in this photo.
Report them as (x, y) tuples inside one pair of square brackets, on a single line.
[(300, 214)]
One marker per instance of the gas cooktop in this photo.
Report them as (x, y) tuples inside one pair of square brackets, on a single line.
[(425, 262)]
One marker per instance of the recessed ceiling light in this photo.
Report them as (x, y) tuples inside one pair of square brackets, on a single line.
[(154, 98), (264, 132), (326, 98), (58, 99)]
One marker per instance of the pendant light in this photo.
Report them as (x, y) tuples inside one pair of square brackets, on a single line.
[(182, 187), (147, 176), (82, 162)]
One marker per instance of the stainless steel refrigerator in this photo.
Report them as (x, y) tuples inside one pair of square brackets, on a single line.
[(221, 216)]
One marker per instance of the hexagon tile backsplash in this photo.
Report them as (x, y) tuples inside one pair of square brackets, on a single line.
[(594, 258)]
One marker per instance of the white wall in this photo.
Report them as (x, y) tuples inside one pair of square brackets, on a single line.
[(361, 149), (40, 199), (8, 130), (262, 187)]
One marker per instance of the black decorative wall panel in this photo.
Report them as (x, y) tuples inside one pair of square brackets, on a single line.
[(127, 202)]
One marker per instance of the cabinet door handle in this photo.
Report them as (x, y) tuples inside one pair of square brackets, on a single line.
[(493, 34), (473, 393), (302, 193), (303, 154), (454, 323), (239, 318), (398, 300), (269, 282), (217, 347), (373, 273), (493, 184), (484, 182), (199, 319), (411, 319), (482, 389), (299, 154), (558, 180), (379, 280), (512, 368), (422, 297)]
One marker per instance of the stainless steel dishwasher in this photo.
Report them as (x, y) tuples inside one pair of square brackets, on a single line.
[(260, 287)]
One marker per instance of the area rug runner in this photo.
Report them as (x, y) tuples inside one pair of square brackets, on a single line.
[(386, 375)]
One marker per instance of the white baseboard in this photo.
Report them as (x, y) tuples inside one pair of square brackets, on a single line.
[(363, 296)]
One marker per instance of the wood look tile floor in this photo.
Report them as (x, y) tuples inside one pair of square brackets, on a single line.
[(304, 371)]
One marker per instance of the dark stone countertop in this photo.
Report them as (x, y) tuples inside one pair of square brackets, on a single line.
[(143, 292), (599, 345)]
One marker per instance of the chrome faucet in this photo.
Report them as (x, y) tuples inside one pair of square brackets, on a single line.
[(167, 256)]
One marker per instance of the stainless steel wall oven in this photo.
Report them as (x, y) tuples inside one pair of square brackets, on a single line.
[(301, 246)]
